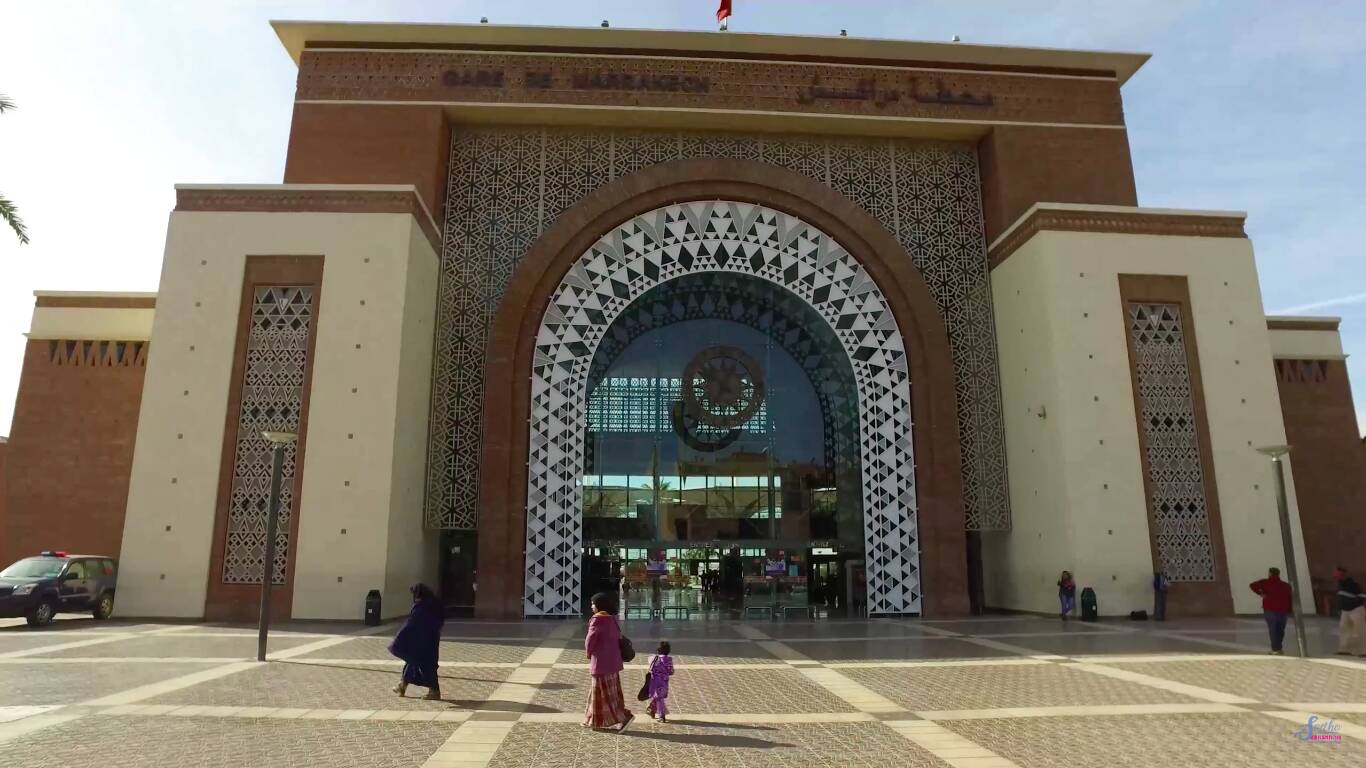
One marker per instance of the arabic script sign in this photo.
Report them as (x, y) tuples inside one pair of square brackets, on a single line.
[(868, 89)]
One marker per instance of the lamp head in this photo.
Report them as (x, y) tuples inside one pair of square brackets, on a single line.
[(280, 438)]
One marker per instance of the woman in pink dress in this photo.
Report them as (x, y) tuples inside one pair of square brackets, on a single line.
[(606, 704)]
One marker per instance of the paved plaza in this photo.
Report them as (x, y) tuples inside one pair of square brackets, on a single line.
[(973, 693)]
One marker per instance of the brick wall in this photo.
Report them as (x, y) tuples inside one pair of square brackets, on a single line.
[(4, 452), (70, 448), (1329, 462)]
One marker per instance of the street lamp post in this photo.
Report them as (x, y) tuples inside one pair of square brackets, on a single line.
[(1287, 543), (278, 441)]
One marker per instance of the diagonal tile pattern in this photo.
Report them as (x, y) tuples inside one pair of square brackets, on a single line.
[(751, 694)]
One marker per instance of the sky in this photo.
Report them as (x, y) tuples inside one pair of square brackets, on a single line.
[(1249, 105)]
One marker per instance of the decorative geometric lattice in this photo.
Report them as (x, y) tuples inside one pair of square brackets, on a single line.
[(507, 184), (700, 237), (1175, 480), (272, 399)]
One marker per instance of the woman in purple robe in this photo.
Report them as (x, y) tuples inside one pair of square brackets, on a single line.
[(418, 643)]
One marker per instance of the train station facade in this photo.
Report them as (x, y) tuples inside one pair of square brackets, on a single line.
[(730, 322)]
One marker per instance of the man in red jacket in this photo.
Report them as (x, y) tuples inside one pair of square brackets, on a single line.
[(1275, 604)]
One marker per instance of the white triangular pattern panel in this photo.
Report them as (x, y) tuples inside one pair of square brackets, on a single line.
[(716, 236), (1178, 509)]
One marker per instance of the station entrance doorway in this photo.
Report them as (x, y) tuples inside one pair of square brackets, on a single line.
[(722, 464)]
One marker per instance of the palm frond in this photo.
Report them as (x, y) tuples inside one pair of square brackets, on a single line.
[(5, 103), (10, 214)]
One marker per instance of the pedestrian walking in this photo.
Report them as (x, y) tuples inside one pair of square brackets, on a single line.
[(1160, 585), (1352, 615), (1275, 606), (606, 704), (661, 669), (1067, 593), (418, 643)]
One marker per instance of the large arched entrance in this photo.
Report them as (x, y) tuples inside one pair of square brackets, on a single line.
[(752, 242), (746, 220)]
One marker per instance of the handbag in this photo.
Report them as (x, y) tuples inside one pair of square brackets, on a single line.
[(644, 689), (628, 651)]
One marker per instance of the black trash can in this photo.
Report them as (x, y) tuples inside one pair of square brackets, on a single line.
[(372, 604), (1089, 610)]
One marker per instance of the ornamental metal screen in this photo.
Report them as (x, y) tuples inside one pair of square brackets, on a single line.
[(1179, 515), (507, 184), (272, 399)]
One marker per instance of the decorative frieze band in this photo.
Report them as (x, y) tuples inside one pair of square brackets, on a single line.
[(1123, 222), (646, 82)]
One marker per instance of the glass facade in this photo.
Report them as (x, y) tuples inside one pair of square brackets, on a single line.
[(722, 469)]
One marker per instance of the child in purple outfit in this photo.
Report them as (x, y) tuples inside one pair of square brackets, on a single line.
[(661, 669)]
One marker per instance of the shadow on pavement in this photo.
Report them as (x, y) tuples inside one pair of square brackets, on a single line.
[(501, 706), (389, 672), (735, 726), (706, 739)]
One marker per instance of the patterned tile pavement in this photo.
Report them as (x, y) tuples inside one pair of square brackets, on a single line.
[(73, 683), (108, 742), (983, 687), (11, 640), (684, 652), (298, 683), (1281, 679), (377, 648), (888, 649), (980, 693), (695, 691), (180, 646), (1021, 625), (652, 745), (1355, 718), (1111, 642), (1195, 740)]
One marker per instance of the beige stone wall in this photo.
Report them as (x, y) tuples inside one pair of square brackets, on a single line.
[(105, 323), (412, 546), (1306, 345), (353, 439), (1076, 479)]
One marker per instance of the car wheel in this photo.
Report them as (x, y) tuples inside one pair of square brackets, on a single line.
[(42, 614), (104, 607)]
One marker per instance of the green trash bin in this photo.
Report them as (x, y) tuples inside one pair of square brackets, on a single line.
[(1089, 610)]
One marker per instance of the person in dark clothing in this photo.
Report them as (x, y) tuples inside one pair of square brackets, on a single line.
[(1352, 615), (418, 643), (1275, 605), (1160, 585), (1067, 594)]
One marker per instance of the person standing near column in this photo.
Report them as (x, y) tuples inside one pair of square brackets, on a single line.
[(1160, 584), (1275, 605), (1352, 618)]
